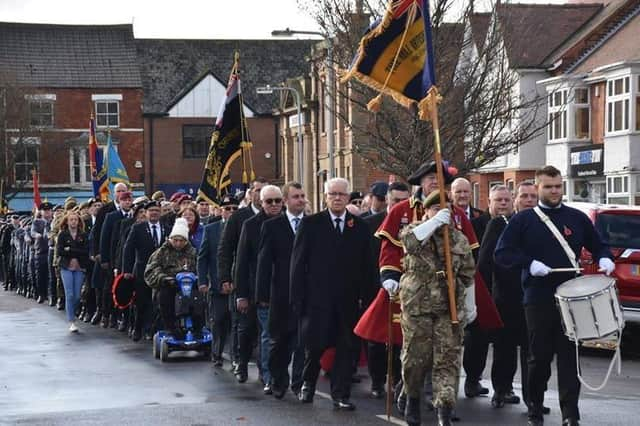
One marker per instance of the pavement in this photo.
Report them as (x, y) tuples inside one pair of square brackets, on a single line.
[(51, 377)]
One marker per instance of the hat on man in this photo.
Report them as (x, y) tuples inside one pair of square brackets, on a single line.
[(175, 197), (158, 196), (356, 195), (180, 229), (433, 198), (70, 203), (430, 167), (229, 200), (45, 206), (185, 197), (141, 200), (379, 189), (153, 203), (201, 199), (125, 196)]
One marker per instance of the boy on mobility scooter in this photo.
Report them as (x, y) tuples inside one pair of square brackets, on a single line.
[(170, 273)]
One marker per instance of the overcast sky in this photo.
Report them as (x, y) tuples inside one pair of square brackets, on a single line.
[(173, 19)]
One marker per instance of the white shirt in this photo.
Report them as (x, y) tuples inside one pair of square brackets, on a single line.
[(334, 217), (255, 210), (158, 230), (291, 222)]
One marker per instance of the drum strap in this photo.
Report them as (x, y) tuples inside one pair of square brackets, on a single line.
[(616, 357), (556, 233)]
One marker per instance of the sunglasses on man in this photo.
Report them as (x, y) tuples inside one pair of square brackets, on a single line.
[(273, 200), (230, 208)]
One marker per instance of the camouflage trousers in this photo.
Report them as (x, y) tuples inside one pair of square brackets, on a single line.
[(431, 342)]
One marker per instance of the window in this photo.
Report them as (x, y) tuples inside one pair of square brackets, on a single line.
[(80, 168), (618, 184), (511, 185), (107, 113), (195, 141), (41, 113), (581, 113), (558, 115), (638, 103), (618, 104), (25, 160)]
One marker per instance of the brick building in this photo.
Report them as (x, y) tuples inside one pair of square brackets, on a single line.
[(184, 84), (64, 73)]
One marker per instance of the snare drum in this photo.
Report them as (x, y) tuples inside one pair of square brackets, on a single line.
[(589, 307)]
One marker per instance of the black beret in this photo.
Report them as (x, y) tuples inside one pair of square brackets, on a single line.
[(153, 203), (45, 206), (229, 200), (433, 198), (356, 195), (379, 189)]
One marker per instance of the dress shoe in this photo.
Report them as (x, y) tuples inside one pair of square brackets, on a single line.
[(87, 317), (95, 319), (377, 392), (343, 405), (267, 390), (535, 421), (444, 416), (412, 412), (545, 410), (122, 325), (498, 400), (105, 322), (241, 373), (473, 389), (60, 305), (40, 299), (570, 421), (52, 301), (147, 336), (113, 321), (136, 335), (511, 398), (306, 393), (279, 393)]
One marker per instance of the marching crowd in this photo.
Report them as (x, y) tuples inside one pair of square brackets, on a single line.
[(287, 284)]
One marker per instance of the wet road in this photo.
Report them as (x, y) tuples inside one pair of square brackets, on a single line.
[(48, 376)]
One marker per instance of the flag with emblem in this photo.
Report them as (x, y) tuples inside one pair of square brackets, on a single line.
[(113, 170), (95, 159), (396, 57), (229, 141)]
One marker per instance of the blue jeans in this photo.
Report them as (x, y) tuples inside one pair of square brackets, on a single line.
[(72, 282), (263, 316)]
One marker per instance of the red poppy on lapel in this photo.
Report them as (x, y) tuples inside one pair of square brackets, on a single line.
[(567, 232), (350, 223)]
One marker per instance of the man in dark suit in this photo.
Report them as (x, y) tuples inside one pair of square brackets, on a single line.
[(227, 255), (208, 275), (461, 196), (330, 274), (250, 312), (378, 199), (98, 274), (144, 238), (377, 352), (272, 290), (125, 202)]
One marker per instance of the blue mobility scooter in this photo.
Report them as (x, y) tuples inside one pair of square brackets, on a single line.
[(190, 337)]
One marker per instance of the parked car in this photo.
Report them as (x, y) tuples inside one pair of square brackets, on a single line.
[(619, 226)]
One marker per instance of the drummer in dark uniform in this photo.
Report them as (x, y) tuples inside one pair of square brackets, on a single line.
[(528, 244)]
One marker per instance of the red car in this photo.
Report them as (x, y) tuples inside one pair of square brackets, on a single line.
[(619, 226)]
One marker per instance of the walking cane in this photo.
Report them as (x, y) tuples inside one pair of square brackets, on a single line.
[(389, 359)]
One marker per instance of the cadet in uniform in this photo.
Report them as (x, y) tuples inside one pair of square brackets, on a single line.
[(430, 340)]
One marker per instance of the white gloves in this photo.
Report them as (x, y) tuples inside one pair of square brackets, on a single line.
[(391, 286), (539, 269), (606, 265), (426, 229), (471, 311)]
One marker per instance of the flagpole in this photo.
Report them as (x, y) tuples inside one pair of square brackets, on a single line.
[(453, 311)]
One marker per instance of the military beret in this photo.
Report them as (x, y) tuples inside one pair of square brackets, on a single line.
[(125, 195), (379, 189), (153, 203), (433, 198), (158, 195), (176, 197), (185, 197), (430, 167), (45, 206), (229, 200), (356, 195), (141, 200)]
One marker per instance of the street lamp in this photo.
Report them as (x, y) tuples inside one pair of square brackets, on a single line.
[(268, 90), (329, 93)]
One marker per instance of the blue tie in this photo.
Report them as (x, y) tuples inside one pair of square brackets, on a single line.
[(296, 222)]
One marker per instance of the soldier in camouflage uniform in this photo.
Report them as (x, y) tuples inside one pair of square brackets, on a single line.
[(430, 340), (175, 255)]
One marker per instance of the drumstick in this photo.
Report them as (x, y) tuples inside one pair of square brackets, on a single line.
[(567, 269)]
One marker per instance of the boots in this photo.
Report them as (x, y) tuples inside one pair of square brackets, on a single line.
[(444, 416), (412, 412)]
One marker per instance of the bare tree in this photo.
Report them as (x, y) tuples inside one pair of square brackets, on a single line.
[(480, 118)]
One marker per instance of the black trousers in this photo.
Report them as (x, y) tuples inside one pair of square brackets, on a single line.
[(476, 347), (235, 318), (505, 350), (143, 306), (342, 369), (284, 347), (107, 297), (52, 275), (42, 275), (546, 339), (377, 363), (221, 322), (247, 333)]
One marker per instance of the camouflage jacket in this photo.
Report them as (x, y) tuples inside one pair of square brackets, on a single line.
[(166, 262), (423, 289)]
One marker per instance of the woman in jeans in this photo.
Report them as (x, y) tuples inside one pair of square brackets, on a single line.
[(73, 250)]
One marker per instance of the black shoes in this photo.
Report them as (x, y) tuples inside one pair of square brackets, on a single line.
[(511, 398), (241, 373), (444, 416), (136, 335), (473, 389), (412, 411), (343, 405), (267, 390), (570, 421), (52, 301), (535, 421), (377, 391), (217, 360), (279, 393), (60, 304), (40, 300), (95, 319), (306, 393), (497, 401)]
